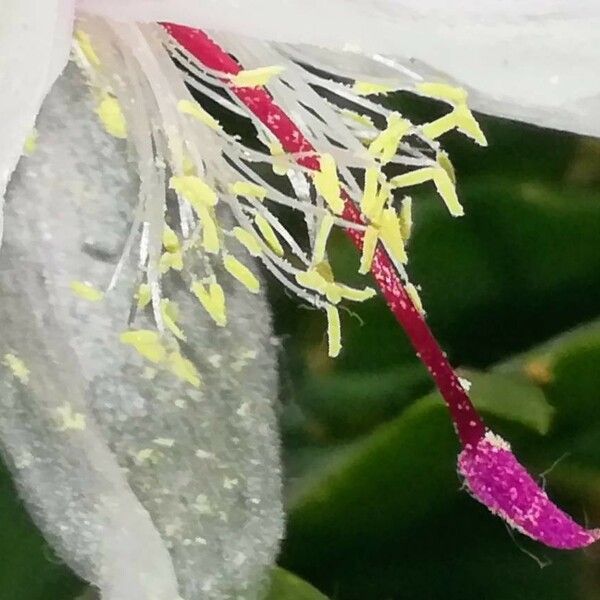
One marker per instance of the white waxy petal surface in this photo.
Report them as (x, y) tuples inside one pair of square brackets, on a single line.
[(533, 61), (162, 479)]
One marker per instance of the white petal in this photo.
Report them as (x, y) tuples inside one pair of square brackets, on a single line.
[(35, 38), (159, 489), (534, 61)]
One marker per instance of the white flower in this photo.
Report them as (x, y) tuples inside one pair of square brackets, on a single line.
[(112, 472)]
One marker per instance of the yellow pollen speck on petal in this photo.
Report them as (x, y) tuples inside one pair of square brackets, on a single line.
[(171, 260), (69, 419), (85, 45), (327, 183), (413, 294), (447, 191), (31, 142), (368, 250), (86, 291), (322, 237), (248, 189), (334, 333), (170, 241), (143, 296), (183, 368), (164, 442), (385, 145), (443, 91), (213, 301), (146, 342), (17, 367), (111, 116), (170, 315), (146, 455), (248, 240), (242, 273), (194, 190), (267, 232), (256, 77), (366, 88), (193, 109)]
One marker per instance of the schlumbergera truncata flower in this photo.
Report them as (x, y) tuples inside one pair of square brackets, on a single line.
[(137, 360)]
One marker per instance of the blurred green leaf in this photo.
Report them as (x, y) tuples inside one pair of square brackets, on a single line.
[(287, 586), (511, 397), (29, 570)]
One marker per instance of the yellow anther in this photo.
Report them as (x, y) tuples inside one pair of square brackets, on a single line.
[(437, 128), (370, 240), (327, 183), (170, 241), (415, 177), (320, 279), (356, 295), (171, 260), (183, 368), (281, 164), (386, 227), (210, 231), (170, 314), (442, 181), (146, 342), (443, 91), (406, 220), (413, 294), (213, 301), (85, 45), (17, 367), (334, 333), (194, 190), (369, 205), (391, 235), (385, 145), (256, 77), (248, 189), (363, 120), (69, 419), (111, 116), (467, 124), (444, 161), (322, 237), (193, 109), (460, 118), (242, 273), (31, 142), (447, 191), (248, 240), (143, 296), (86, 291), (267, 232), (367, 88)]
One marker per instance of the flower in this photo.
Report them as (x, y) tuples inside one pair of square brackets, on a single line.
[(208, 206)]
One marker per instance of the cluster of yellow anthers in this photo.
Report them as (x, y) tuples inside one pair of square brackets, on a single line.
[(259, 231)]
